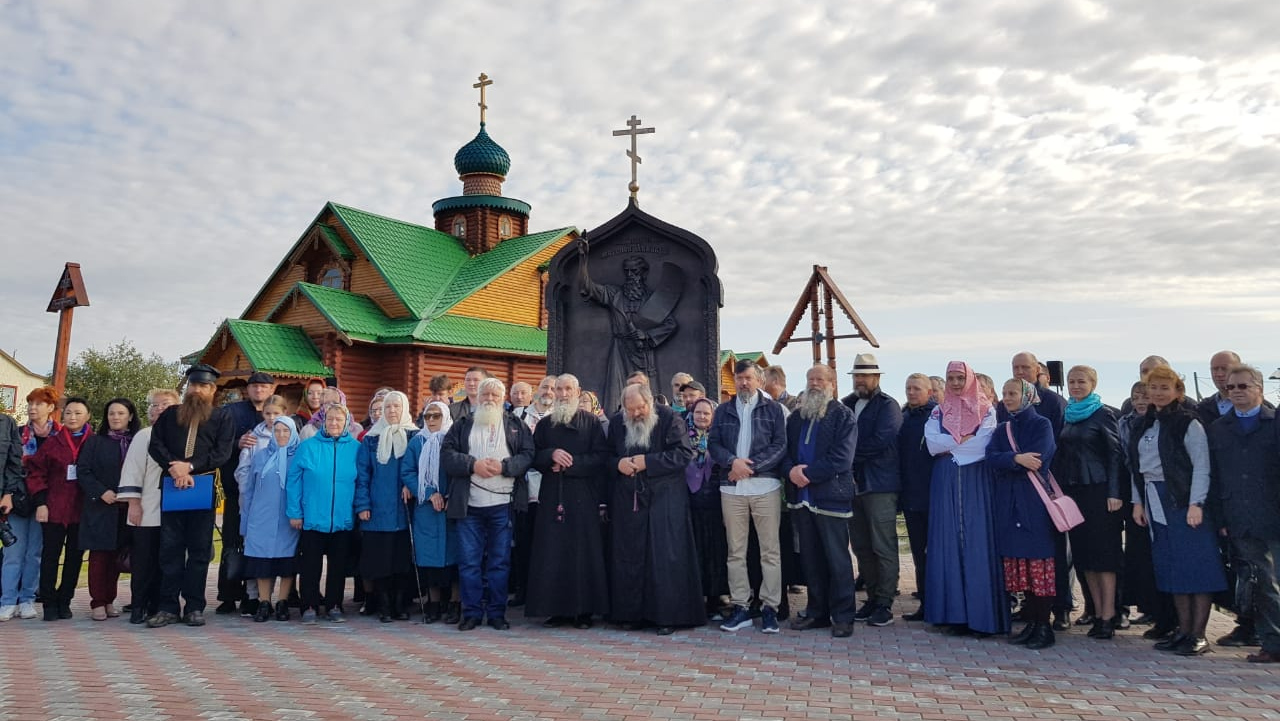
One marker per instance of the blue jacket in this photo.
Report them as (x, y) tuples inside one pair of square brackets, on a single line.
[(915, 462), (378, 487), (321, 488), (831, 486), (875, 467), (263, 520), (768, 437), (1023, 527), (435, 536)]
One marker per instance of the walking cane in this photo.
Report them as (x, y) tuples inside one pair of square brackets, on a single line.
[(417, 577)]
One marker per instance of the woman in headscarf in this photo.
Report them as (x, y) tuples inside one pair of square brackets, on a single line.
[(1025, 534), (270, 543), (703, 477), (591, 402), (1169, 453), (330, 397), (435, 538), (964, 584), (102, 520), (381, 506)]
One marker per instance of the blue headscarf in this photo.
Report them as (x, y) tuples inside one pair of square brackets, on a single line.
[(276, 456)]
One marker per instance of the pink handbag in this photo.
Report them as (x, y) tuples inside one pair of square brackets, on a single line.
[(1063, 511)]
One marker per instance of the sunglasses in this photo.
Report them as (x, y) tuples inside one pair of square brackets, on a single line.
[(435, 415), (1238, 387)]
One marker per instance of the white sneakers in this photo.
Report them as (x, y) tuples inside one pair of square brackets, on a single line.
[(24, 610)]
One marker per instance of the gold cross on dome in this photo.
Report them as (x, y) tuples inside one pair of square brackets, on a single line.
[(484, 83), (633, 129)]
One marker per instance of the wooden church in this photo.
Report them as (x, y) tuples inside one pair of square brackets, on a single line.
[(374, 301)]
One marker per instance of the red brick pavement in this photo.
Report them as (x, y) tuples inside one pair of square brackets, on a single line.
[(236, 669)]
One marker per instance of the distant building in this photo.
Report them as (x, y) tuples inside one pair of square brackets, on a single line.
[(16, 381)]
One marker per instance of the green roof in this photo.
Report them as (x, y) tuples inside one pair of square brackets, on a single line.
[(335, 242), (483, 269), (359, 318), (416, 262), (278, 348), (481, 201), (482, 155)]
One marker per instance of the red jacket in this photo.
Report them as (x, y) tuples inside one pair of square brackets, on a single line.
[(47, 477)]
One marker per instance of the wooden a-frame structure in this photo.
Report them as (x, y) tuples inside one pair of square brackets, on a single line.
[(819, 297)]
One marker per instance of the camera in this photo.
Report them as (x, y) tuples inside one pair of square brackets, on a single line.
[(7, 536)]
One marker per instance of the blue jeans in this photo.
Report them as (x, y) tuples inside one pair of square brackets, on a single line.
[(20, 576), (484, 538)]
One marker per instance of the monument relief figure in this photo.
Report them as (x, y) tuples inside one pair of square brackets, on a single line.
[(640, 318)]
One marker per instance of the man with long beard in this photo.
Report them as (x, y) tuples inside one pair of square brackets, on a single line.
[(822, 437), (190, 439), (485, 455), (567, 579), (655, 576)]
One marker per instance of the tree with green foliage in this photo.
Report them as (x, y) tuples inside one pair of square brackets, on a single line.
[(120, 371)]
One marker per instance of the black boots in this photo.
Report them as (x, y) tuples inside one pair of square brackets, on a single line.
[(1021, 638), (431, 611), (453, 613), (1041, 637), (384, 607)]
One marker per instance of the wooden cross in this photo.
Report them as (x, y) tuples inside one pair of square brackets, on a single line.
[(633, 129), (484, 83)]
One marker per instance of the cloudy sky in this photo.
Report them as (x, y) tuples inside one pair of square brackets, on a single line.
[(1094, 181)]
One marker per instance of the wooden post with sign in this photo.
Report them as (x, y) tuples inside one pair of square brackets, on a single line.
[(68, 296)]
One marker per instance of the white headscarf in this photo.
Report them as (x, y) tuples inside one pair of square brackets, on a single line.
[(429, 461), (393, 439)]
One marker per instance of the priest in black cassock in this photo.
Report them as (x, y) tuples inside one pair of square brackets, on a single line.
[(567, 578), (655, 573)]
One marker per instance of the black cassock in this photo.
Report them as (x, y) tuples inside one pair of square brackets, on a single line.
[(655, 569), (567, 571)]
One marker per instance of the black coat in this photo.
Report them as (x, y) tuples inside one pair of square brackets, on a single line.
[(1089, 453), (11, 471), (915, 462), (1245, 472), (98, 470), (457, 462)]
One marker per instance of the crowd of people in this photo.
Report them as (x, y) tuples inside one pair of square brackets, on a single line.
[(672, 512)]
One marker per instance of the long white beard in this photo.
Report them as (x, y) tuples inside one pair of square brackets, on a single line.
[(563, 413), (488, 415), (813, 406), (638, 431)]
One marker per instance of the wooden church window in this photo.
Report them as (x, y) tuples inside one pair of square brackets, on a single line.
[(460, 227), (332, 278), (504, 227)]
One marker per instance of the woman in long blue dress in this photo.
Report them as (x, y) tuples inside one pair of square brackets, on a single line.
[(964, 581), (435, 537)]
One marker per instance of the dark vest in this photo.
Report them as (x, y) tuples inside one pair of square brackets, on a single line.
[(1175, 461)]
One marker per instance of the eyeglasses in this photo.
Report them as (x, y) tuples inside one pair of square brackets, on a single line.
[(1238, 387), (434, 415)]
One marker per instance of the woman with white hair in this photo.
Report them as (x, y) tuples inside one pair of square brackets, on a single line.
[(435, 537), (381, 504)]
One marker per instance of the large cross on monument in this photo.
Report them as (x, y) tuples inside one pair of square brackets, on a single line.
[(633, 129), (484, 83), (68, 296)]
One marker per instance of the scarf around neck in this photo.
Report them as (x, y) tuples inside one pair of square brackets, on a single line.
[(1078, 410)]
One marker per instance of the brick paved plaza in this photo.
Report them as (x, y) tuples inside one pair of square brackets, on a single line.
[(236, 669)]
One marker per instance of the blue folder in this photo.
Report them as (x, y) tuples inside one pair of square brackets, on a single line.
[(196, 498)]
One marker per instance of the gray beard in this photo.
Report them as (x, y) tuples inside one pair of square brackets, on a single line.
[(488, 415), (563, 413), (638, 431), (633, 291), (814, 405)]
